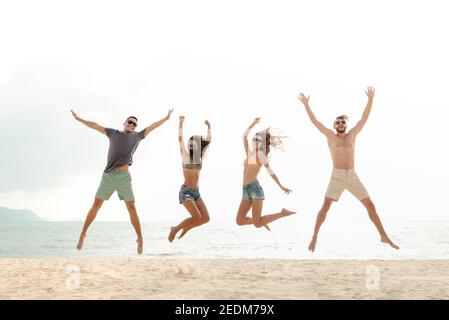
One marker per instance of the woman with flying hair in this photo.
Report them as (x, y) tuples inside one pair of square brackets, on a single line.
[(253, 195), (189, 195)]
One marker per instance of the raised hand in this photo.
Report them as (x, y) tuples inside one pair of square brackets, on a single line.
[(181, 119), (169, 114), (370, 91), (256, 121), (207, 123), (305, 100), (75, 115), (245, 135)]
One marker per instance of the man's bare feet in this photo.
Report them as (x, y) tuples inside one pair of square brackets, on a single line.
[(79, 246), (389, 242), (172, 234), (312, 244), (139, 246), (287, 213)]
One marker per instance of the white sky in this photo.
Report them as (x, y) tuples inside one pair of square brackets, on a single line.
[(228, 62)]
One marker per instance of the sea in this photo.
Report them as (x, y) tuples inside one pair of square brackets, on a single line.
[(419, 240)]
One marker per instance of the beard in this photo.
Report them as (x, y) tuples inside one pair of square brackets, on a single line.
[(340, 130)]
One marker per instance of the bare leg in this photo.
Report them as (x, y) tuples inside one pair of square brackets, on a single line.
[(244, 208), (319, 221), (259, 221), (242, 219), (194, 219), (372, 213), (205, 218), (89, 219), (136, 224)]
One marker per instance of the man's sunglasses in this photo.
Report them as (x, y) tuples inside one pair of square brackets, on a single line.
[(340, 122), (133, 123)]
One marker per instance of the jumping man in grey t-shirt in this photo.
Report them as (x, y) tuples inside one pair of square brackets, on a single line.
[(116, 177)]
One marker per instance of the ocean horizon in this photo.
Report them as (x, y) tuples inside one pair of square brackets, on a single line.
[(418, 239)]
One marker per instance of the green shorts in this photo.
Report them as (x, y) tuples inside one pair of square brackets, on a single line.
[(115, 181)]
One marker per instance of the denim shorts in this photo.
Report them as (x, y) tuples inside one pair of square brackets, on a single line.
[(189, 193), (253, 191)]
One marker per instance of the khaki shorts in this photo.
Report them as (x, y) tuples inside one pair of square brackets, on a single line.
[(345, 179)]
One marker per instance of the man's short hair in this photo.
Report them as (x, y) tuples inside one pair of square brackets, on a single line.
[(131, 117), (342, 117)]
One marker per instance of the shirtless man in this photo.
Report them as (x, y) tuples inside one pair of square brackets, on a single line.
[(116, 176), (341, 145)]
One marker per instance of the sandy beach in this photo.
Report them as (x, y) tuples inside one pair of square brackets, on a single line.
[(223, 279)]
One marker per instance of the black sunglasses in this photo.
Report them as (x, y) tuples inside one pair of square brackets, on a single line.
[(340, 122), (133, 123)]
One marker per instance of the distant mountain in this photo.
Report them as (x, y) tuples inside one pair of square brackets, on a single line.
[(17, 215)]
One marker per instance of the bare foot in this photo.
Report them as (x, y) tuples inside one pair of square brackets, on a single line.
[(312, 244), (389, 242), (79, 246), (287, 213), (172, 234), (139, 246), (183, 233)]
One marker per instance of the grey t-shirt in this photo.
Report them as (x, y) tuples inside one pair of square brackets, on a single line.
[(121, 147)]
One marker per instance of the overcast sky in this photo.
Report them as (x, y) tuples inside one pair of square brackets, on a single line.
[(228, 62)]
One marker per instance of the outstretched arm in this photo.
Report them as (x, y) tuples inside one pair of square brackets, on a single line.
[(209, 134), (264, 160), (319, 125), (182, 147), (246, 134), (158, 123), (90, 124), (370, 91)]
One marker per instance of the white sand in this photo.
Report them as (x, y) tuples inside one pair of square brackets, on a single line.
[(222, 279)]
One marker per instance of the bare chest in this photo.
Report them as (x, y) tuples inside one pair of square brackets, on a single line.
[(337, 143)]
